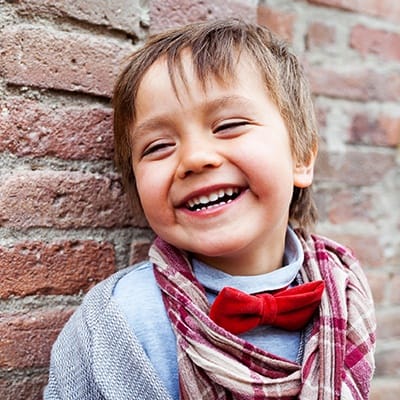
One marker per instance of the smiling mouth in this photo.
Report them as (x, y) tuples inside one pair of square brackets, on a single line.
[(213, 199)]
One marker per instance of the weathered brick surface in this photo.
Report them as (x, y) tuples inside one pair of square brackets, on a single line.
[(388, 361), (357, 84), (63, 200), (382, 8), (383, 130), (70, 133), (51, 59), (388, 323), (58, 57), (58, 268), (379, 42), (139, 251), (395, 289), (279, 22), (26, 339), (366, 247), (355, 167), (166, 14), (348, 204), (126, 15), (379, 283), (385, 389), (321, 116), (320, 35), (27, 387)]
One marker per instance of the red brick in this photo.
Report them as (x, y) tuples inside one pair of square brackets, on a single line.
[(165, 14), (395, 257), (279, 22), (26, 339), (378, 131), (388, 321), (50, 59), (388, 361), (321, 114), (354, 167), (395, 290), (366, 248), (386, 45), (391, 128), (349, 205), (59, 268), (126, 15), (357, 84), (388, 9), (341, 205), (378, 282), (322, 199), (320, 35), (139, 250), (385, 389), (26, 388), (70, 133), (61, 199)]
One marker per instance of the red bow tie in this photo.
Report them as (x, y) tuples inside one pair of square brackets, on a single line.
[(289, 309)]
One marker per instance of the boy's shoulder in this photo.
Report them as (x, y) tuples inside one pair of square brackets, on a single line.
[(100, 297), (130, 293), (99, 314), (135, 282), (97, 345), (137, 295), (132, 277)]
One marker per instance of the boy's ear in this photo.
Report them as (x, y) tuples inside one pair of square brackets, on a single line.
[(304, 171)]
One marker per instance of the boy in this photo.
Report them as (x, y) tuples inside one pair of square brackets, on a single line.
[(215, 137)]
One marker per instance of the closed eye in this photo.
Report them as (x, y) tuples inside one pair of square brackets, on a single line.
[(230, 125), (157, 148)]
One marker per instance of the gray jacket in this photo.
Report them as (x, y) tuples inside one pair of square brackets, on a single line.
[(97, 356)]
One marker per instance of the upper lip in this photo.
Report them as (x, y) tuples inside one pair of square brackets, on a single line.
[(206, 191)]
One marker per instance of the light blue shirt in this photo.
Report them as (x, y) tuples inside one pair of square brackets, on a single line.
[(140, 300)]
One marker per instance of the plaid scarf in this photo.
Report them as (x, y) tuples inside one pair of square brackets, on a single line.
[(214, 364)]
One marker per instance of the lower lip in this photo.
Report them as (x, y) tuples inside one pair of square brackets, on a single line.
[(212, 211)]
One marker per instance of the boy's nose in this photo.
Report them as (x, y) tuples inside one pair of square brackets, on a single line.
[(196, 157)]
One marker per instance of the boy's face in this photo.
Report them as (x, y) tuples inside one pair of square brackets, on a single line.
[(214, 168)]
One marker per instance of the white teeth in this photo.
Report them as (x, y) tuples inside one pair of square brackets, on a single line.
[(204, 200), (191, 203), (212, 197)]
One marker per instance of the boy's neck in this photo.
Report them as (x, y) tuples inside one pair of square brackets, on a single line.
[(259, 262)]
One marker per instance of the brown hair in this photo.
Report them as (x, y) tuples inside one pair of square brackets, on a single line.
[(214, 48)]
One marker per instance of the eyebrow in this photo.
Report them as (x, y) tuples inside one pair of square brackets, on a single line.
[(207, 106), (148, 125), (225, 101)]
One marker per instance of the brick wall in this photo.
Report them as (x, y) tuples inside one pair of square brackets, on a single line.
[(64, 221)]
